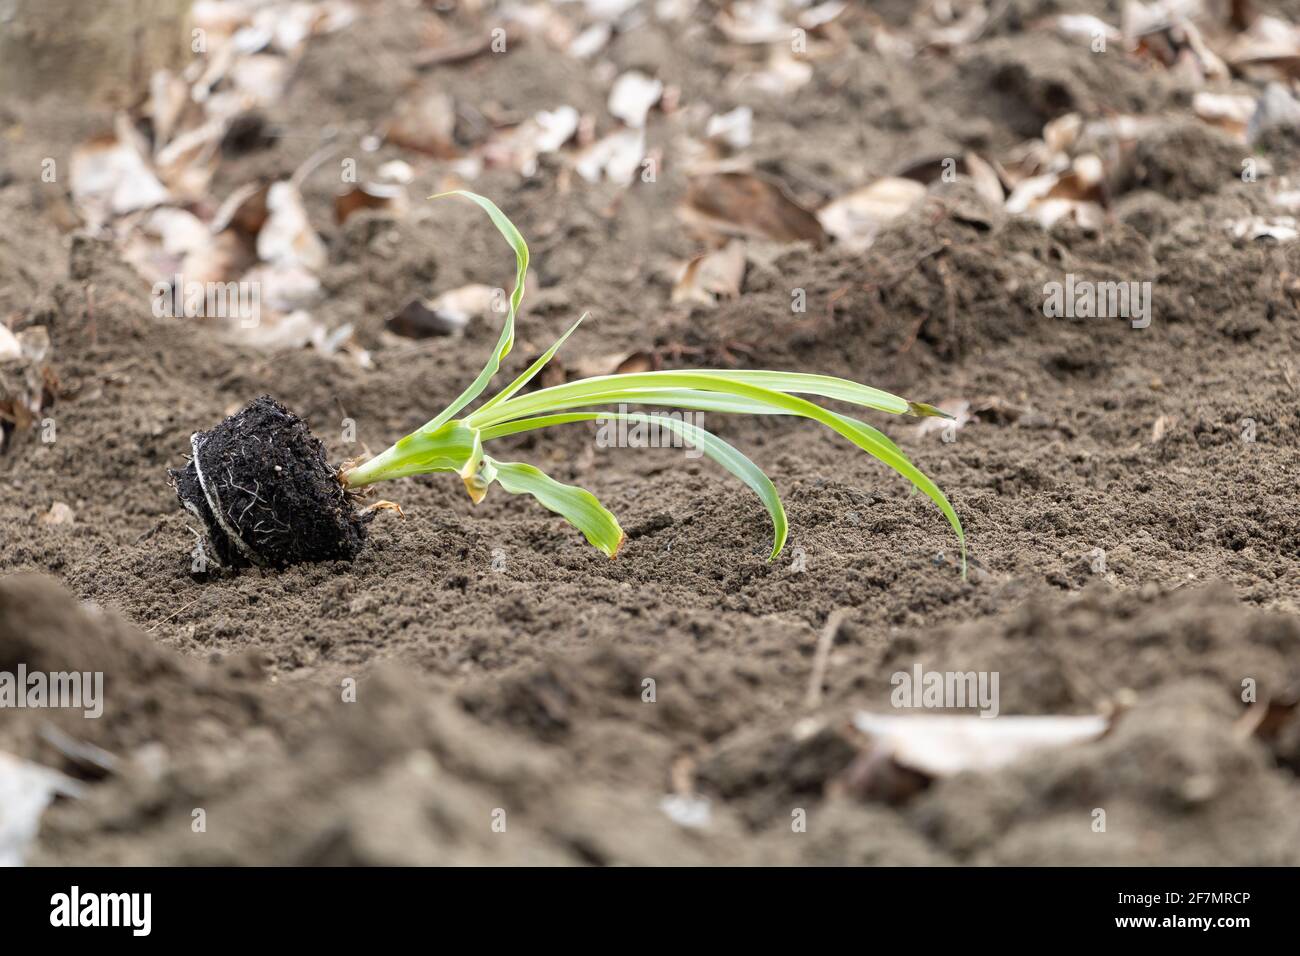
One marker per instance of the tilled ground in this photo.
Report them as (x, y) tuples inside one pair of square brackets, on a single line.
[(1128, 494)]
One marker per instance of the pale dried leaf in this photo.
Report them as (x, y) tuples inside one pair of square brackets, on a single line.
[(716, 275), (857, 217), (287, 237), (942, 746), (615, 158), (632, 96)]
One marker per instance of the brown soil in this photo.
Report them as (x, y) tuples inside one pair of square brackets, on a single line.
[(499, 661)]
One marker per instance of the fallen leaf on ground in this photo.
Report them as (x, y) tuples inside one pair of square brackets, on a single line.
[(110, 176), (632, 96), (754, 22), (27, 382), (616, 157), (1076, 193), (59, 514), (1083, 27), (943, 746), (1267, 718), (387, 197), (735, 129), (1231, 112), (546, 131), (296, 330), (613, 363), (287, 236), (781, 76), (590, 41), (448, 313), (713, 276), (745, 204), (856, 218), (1277, 228), (425, 122)]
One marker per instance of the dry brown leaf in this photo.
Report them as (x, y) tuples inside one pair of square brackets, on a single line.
[(244, 210), (782, 76), (1077, 193), (169, 96), (1083, 27), (754, 22), (382, 196), (546, 131), (614, 363), (287, 236), (457, 52), (111, 176), (1268, 50), (745, 204), (1231, 112), (425, 122), (1267, 719), (417, 320), (713, 276), (27, 382), (984, 177), (448, 313), (734, 129)]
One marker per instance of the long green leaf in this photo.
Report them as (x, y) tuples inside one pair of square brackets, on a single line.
[(720, 451), (507, 339), (797, 383), (864, 438), (697, 400), (576, 505)]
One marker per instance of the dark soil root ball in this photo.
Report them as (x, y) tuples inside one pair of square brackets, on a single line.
[(265, 493)]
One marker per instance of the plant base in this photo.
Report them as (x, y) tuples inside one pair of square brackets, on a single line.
[(266, 494)]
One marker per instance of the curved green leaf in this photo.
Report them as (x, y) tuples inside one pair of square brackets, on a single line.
[(576, 505), (720, 451)]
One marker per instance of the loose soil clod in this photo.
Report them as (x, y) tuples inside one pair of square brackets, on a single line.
[(266, 494)]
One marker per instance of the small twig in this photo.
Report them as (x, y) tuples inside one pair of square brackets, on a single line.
[(821, 657), (185, 607)]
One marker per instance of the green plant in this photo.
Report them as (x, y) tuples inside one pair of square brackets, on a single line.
[(446, 443)]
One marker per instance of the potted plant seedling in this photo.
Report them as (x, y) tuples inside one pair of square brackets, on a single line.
[(267, 496)]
